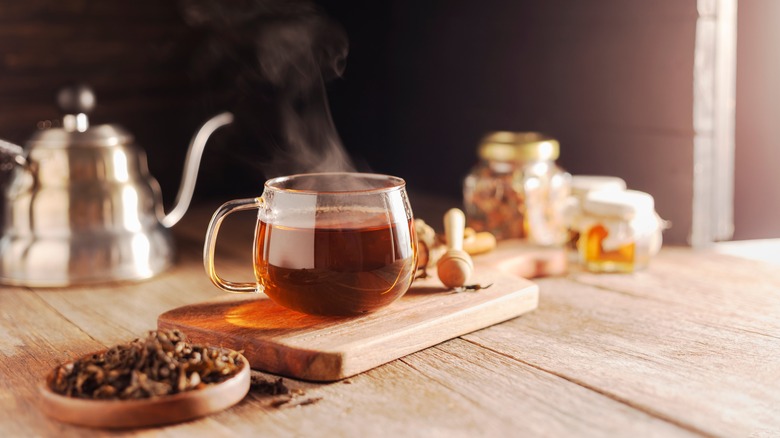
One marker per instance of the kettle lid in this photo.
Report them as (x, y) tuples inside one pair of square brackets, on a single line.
[(99, 135), (75, 102)]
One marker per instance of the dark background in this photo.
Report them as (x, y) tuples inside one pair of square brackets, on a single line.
[(612, 79)]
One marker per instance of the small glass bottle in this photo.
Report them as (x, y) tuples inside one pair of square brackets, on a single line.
[(619, 231), (581, 185), (517, 190)]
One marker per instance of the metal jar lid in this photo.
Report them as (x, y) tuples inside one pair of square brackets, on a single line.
[(518, 146)]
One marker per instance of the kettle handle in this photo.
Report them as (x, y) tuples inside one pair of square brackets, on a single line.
[(11, 154), (191, 166)]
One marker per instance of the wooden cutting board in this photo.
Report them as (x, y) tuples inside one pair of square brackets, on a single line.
[(292, 344)]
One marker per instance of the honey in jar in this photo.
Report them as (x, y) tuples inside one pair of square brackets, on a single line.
[(619, 231), (581, 185)]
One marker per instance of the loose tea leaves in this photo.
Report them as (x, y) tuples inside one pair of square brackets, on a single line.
[(259, 385), (283, 396), (163, 363)]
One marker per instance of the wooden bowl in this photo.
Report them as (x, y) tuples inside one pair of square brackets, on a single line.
[(118, 414)]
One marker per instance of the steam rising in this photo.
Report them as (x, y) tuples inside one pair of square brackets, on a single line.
[(286, 49)]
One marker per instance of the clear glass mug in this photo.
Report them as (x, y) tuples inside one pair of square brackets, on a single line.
[(326, 243)]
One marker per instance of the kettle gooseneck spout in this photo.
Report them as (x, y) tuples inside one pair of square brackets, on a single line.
[(191, 166)]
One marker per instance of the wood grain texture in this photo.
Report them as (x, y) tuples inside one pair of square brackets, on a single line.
[(688, 347), (685, 341), (289, 343)]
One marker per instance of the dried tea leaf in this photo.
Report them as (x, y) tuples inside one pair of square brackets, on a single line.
[(473, 287), (260, 385), (304, 402), (281, 402)]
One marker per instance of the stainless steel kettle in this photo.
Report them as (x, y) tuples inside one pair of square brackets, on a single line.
[(81, 206)]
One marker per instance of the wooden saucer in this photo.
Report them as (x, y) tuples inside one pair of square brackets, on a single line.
[(120, 414)]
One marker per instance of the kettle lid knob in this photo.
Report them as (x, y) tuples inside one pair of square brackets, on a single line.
[(76, 100)]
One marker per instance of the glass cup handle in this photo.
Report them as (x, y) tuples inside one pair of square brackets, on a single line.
[(211, 243)]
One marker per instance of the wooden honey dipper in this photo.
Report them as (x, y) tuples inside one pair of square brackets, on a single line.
[(455, 266)]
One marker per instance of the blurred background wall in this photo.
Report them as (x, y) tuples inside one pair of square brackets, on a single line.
[(757, 154), (612, 79)]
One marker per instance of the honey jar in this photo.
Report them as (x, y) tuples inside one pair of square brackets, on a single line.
[(517, 190), (581, 185), (619, 231)]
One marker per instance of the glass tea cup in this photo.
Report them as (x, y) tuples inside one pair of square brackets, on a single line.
[(326, 243)]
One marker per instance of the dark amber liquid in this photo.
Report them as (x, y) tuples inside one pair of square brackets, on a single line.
[(334, 270)]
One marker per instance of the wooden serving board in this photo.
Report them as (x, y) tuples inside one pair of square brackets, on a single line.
[(292, 344)]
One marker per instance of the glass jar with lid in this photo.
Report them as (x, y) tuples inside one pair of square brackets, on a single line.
[(581, 185), (619, 231), (517, 190)]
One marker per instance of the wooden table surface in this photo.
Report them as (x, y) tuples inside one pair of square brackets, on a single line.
[(688, 347)]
